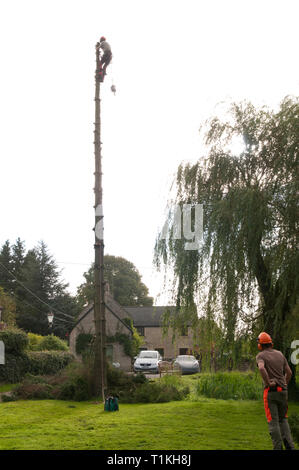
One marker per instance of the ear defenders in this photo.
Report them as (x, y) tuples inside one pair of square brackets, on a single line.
[(263, 338)]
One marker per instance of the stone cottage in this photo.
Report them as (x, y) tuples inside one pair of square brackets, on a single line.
[(148, 322), (115, 323)]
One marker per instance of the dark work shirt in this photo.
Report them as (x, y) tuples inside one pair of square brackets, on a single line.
[(275, 364)]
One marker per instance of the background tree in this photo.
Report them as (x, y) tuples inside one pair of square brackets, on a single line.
[(34, 283), (9, 308), (124, 281), (247, 268), (6, 281)]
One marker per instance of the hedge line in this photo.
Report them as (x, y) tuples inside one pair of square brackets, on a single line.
[(19, 360), (35, 363)]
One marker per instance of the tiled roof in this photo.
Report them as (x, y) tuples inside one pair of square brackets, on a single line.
[(147, 316)]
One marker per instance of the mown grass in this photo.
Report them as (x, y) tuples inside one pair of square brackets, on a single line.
[(6, 387), (207, 424), (197, 423)]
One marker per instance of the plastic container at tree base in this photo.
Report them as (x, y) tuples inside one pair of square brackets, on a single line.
[(111, 404)]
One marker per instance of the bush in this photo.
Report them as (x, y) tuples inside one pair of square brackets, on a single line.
[(68, 384), (34, 391), (15, 340), (48, 362), (153, 393), (8, 397), (230, 385), (34, 341), (36, 363), (15, 368), (83, 342), (76, 389), (52, 343), (294, 425), (72, 383)]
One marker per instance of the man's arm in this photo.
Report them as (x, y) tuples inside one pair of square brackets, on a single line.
[(264, 374), (288, 373)]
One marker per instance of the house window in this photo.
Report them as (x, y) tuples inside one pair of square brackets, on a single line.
[(184, 331), (160, 351), (183, 351), (109, 352), (140, 330)]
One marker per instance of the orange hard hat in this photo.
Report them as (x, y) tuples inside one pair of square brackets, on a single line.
[(264, 338)]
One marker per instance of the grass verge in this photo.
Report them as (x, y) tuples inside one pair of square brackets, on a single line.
[(207, 424)]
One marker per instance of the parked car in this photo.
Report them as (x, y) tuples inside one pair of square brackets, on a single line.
[(187, 364), (147, 361)]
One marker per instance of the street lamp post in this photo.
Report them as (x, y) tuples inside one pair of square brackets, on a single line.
[(2, 324), (50, 319)]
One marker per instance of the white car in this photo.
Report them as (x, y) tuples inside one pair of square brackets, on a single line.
[(147, 361), (186, 364)]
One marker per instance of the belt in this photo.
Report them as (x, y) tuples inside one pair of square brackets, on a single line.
[(275, 389)]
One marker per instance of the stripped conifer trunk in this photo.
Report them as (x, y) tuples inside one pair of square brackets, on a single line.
[(100, 372)]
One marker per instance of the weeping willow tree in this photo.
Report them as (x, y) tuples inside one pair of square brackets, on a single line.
[(246, 271)]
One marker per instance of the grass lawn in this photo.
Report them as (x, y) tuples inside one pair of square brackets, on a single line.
[(5, 387), (205, 424)]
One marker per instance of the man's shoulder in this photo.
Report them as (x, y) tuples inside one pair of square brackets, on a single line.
[(259, 356), (277, 352)]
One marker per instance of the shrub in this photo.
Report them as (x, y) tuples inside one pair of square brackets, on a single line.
[(230, 385), (116, 377), (36, 363), (72, 383), (52, 343), (83, 342), (38, 391), (48, 362), (8, 397), (34, 341), (153, 393), (68, 384), (76, 389), (294, 425), (15, 340), (15, 368)]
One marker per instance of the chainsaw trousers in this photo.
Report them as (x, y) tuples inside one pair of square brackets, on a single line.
[(276, 408)]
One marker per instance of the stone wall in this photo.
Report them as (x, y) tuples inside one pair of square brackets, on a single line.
[(113, 326), (154, 339)]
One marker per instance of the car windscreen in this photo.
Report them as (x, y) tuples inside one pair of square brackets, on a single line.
[(148, 355), (186, 358)]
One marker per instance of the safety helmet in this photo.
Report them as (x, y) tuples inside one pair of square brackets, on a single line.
[(102, 39), (264, 338)]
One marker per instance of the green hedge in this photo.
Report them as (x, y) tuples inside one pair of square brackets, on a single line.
[(33, 362), (15, 340), (48, 362), (52, 343), (15, 368)]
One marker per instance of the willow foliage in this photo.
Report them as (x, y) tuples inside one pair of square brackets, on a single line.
[(247, 267)]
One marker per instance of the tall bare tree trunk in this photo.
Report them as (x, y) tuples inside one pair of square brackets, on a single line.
[(100, 372)]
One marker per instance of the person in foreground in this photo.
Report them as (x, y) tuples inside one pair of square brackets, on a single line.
[(276, 374)]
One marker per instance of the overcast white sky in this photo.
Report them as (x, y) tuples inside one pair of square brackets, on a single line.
[(173, 61)]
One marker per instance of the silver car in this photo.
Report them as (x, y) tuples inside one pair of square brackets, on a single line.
[(186, 364), (147, 361)]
